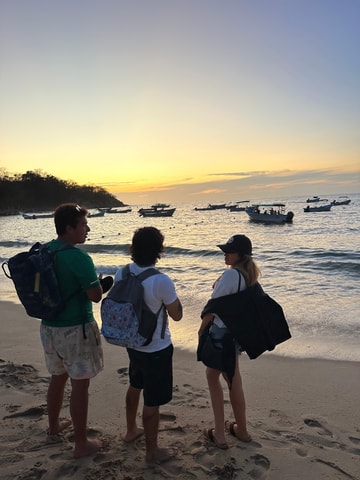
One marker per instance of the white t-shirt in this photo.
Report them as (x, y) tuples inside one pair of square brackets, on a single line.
[(158, 289), (227, 284)]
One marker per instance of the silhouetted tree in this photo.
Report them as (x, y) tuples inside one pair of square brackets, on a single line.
[(37, 191)]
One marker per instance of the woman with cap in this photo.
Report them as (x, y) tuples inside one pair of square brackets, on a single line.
[(243, 272)]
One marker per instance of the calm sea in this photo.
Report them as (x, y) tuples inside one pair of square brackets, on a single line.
[(311, 267)]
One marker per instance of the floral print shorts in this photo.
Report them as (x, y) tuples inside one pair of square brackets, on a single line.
[(74, 350)]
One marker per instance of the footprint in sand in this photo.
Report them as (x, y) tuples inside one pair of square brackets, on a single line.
[(33, 412), (336, 468), (228, 470), (311, 422), (169, 424), (34, 473), (122, 371), (261, 466), (355, 440), (189, 395), (168, 416), (22, 377), (302, 452), (123, 374)]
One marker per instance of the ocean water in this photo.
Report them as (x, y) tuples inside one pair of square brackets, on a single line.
[(311, 267)]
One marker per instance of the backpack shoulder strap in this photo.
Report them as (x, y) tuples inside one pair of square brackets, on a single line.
[(125, 272), (149, 272), (67, 246), (163, 312), (239, 285), (143, 276)]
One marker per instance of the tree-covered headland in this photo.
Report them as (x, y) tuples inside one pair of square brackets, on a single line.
[(35, 191)]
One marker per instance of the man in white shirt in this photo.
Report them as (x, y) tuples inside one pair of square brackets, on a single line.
[(150, 367)]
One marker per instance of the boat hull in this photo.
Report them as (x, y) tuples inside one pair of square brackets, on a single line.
[(150, 212), (96, 214), (321, 208), (211, 207), (233, 208), (119, 211), (34, 216), (341, 202), (271, 215), (268, 218)]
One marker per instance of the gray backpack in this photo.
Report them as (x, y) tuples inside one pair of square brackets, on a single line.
[(126, 319)]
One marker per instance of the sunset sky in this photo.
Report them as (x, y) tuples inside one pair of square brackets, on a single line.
[(183, 100)]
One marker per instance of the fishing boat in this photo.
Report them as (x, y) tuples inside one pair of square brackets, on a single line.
[(34, 216), (118, 210), (318, 208), (316, 199), (99, 213), (341, 202), (269, 213), (156, 212), (211, 206), (236, 207)]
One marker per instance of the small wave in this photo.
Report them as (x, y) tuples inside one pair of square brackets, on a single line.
[(169, 251), (95, 248), (16, 244), (338, 268), (344, 267), (324, 253)]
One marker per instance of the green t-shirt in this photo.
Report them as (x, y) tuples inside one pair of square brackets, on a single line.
[(76, 274)]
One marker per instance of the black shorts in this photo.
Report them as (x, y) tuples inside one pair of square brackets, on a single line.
[(152, 372)]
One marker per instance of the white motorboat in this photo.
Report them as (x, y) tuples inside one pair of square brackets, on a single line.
[(269, 213)]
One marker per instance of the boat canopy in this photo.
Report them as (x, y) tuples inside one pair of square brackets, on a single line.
[(268, 205)]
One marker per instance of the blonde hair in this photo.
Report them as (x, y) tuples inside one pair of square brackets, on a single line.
[(249, 269)]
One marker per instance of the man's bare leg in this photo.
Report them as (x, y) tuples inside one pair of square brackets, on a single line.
[(55, 396), (79, 402), (132, 403), (154, 454)]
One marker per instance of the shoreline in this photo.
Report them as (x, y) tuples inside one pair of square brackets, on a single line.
[(298, 348), (303, 416)]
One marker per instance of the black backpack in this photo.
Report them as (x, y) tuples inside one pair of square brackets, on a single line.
[(35, 281)]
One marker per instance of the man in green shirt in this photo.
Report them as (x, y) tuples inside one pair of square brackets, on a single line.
[(71, 343)]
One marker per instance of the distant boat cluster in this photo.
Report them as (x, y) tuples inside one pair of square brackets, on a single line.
[(344, 200), (235, 207), (258, 212)]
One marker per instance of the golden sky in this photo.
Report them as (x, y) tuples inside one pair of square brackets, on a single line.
[(183, 101)]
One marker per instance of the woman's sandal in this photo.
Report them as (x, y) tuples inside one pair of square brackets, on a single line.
[(209, 434), (230, 427)]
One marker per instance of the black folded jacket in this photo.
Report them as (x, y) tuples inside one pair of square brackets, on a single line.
[(255, 320)]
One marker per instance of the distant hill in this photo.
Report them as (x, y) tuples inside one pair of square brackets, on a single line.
[(35, 191)]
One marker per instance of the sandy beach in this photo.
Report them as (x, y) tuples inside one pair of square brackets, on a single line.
[(304, 417)]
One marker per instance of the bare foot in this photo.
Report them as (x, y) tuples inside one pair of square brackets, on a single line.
[(232, 428), (61, 425), (134, 435), (88, 448), (161, 455)]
